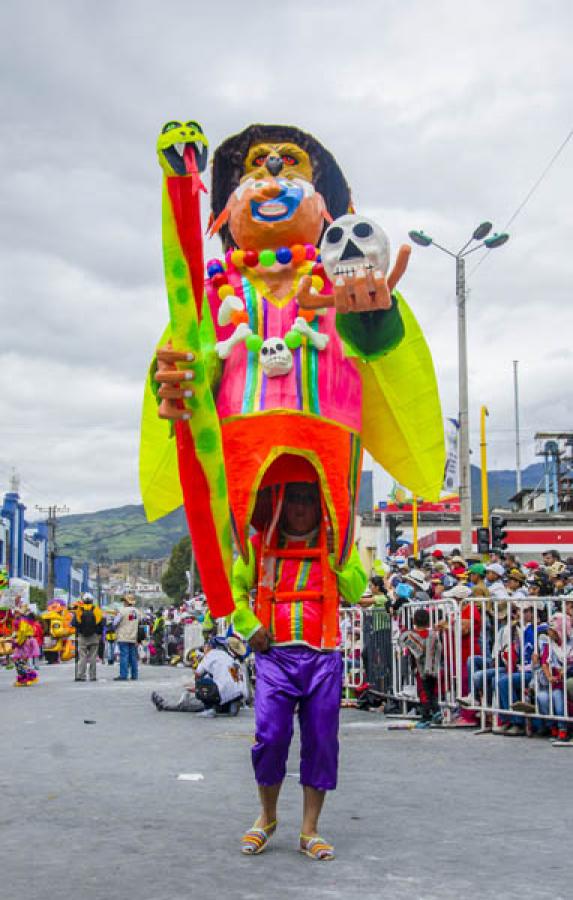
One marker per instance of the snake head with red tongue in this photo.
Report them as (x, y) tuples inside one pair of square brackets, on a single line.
[(182, 148)]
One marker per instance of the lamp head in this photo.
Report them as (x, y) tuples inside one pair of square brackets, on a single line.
[(496, 240), (420, 238), (482, 231)]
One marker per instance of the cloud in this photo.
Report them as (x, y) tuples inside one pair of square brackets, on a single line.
[(440, 118)]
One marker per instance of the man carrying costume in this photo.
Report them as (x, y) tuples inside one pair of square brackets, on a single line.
[(294, 630), (304, 372)]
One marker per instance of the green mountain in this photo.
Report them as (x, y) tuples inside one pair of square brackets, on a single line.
[(122, 533), (501, 484)]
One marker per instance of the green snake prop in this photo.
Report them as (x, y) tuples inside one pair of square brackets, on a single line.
[(182, 152)]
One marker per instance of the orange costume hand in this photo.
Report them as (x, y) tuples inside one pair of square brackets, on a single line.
[(365, 291), (174, 383)]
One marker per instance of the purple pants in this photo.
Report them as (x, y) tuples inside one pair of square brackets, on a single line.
[(287, 676)]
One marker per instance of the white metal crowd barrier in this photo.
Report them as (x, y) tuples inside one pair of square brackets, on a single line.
[(526, 659), (495, 653), (443, 618), (352, 638)]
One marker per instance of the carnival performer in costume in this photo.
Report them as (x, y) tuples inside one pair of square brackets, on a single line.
[(275, 381), (6, 620), (26, 649)]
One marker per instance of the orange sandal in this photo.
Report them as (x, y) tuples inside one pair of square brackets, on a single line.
[(316, 848), (255, 840)]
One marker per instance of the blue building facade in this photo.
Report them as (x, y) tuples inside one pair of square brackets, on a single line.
[(24, 552)]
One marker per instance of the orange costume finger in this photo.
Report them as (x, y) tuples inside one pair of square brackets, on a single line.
[(308, 300), (172, 376), (167, 355), (400, 266), (174, 393)]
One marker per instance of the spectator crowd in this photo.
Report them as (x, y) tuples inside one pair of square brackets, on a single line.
[(515, 644)]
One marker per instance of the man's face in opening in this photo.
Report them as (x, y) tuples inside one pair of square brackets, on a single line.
[(302, 508), (548, 559)]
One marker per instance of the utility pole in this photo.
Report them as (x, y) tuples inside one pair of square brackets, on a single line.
[(484, 486), (191, 570), (517, 447), (52, 523), (497, 240), (465, 471)]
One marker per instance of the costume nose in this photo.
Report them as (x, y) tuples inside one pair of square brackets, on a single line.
[(351, 251), (269, 190), (274, 165)]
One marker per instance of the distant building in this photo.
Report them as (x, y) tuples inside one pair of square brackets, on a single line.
[(24, 551)]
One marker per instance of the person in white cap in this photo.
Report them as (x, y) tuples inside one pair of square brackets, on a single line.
[(417, 579), (494, 573)]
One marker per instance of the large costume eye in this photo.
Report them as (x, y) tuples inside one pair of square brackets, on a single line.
[(289, 160), (170, 126), (195, 126), (334, 235), (260, 161), (362, 230)]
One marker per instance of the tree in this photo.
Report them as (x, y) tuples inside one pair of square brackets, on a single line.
[(174, 580), (39, 597)]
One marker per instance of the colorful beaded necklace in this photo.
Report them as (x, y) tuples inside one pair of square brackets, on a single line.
[(305, 256)]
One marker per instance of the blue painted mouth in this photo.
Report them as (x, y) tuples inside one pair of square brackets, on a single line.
[(281, 207)]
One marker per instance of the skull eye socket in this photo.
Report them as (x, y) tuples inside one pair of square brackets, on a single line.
[(362, 230), (280, 347), (334, 235)]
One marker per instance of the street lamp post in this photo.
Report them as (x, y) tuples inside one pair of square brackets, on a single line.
[(496, 240)]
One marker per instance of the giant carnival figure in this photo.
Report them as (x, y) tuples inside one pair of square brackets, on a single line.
[(294, 354)]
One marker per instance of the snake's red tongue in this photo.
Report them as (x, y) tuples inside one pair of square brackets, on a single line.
[(189, 157), (190, 160)]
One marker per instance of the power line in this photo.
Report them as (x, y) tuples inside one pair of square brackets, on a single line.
[(530, 193)]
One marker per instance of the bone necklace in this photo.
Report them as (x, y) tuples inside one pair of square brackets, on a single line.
[(274, 353), (232, 310)]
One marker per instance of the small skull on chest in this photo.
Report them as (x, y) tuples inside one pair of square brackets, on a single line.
[(275, 357)]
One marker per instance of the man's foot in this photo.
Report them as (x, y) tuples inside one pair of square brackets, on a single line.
[(93, 679), (119, 678), (79, 679), (514, 731), (563, 737), (158, 700), (468, 700), (234, 708), (316, 847), (501, 729), (207, 714), (523, 706), (255, 840)]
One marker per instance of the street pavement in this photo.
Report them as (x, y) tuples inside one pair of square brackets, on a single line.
[(91, 805)]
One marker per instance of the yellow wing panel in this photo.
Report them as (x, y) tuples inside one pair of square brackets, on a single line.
[(402, 423)]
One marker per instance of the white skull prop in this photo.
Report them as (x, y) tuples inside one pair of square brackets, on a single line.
[(354, 242), (275, 357)]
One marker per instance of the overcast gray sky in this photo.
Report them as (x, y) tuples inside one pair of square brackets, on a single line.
[(441, 114)]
